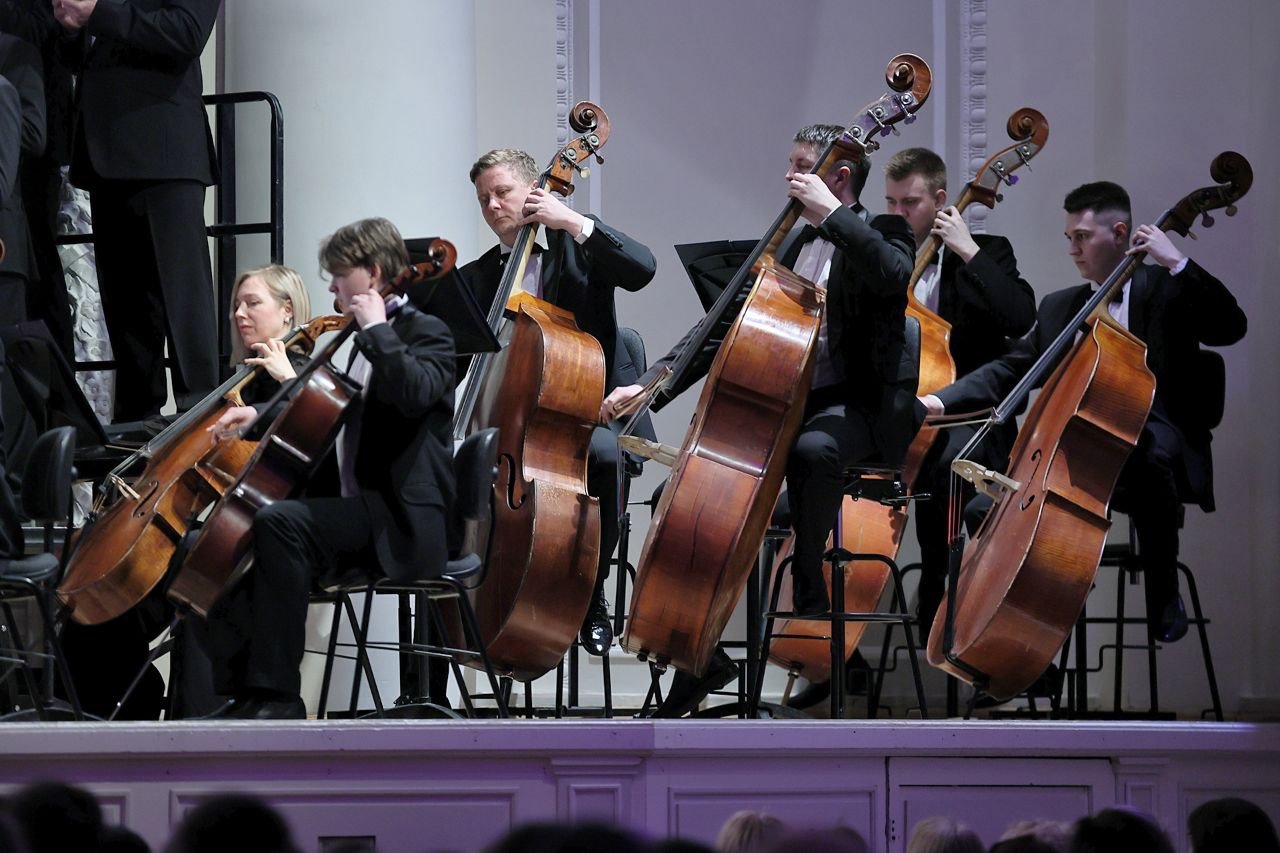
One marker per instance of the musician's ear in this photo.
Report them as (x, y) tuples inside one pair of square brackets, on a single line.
[(375, 273)]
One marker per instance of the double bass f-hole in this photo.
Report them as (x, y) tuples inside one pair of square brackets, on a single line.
[(1030, 496)]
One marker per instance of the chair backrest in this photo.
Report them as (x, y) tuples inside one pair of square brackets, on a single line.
[(911, 337), (48, 475), (1211, 381), (634, 345), (475, 467)]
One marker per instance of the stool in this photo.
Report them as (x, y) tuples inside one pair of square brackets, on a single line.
[(1123, 556), (882, 484)]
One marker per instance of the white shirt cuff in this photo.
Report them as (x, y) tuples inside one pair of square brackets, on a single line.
[(588, 227), (1179, 266)]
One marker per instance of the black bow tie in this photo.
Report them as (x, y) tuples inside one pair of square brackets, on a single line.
[(504, 256)]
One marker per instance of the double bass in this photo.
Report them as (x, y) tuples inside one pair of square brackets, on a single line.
[(318, 402), (543, 391), (870, 527), (124, 552), (1016, 593), (711, 519)]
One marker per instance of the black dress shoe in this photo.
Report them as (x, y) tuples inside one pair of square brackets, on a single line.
[(259, 707), (688, 691), (596, 634), (1172, 625)]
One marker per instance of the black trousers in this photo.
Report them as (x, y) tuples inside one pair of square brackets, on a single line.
[(1147, 491), (157, 285), (832, 437), (931, 515), (257, 631), (603, 483)]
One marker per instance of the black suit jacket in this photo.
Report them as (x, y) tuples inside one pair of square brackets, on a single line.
[(866, 305), (1174, 315), (20, 65), (404, 458), (140, 114), (404, 461), (986, 301)]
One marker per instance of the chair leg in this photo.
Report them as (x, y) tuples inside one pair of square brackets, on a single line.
[(361, 628), (152, 656), (608, 685), (767, 638), (471, 629), (438, 629), (896, 574), (20, 650), (1118, 681), (335, 624), (1204, 641)]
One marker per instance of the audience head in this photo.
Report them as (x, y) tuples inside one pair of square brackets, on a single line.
[(503, 178), (1024, 844), (266, 302), (1231, 824), (747, 831), (846, 179), (55, 817), (1119, 830), (943, 835), (1054, 834), (121, 839), (569, 838), (235, 822)]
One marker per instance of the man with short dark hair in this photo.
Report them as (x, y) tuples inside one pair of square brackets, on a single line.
[(585, 260), (1174, 306)]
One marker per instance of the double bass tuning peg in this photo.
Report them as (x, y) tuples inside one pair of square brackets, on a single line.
[(1206, 220)]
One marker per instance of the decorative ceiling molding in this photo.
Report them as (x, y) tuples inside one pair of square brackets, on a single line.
[(973, 98)]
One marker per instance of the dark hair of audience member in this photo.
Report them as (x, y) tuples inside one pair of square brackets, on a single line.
[(235, 822), (943, 835), (569, 838), (1231, 824), (121, 839), (55, 817), (10, 834), (747, 831), (1119, 830), (838, 839)]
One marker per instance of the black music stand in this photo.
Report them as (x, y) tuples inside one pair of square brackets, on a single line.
[(712, 265), (450, 298)]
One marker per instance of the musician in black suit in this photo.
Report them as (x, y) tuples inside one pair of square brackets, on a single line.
[(978, 290), (862, 403), (395, 466), (584, 261), (143, 150), (20, 66), (1174, 306)]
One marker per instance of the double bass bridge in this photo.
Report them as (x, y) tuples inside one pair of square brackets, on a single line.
[(991, 483)]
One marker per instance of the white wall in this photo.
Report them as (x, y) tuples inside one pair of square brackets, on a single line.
[(388, 102)]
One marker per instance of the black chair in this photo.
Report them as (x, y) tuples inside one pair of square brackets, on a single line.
[(869, 481), (624, 571), (476, 467), (1210, 376), (46, 498)]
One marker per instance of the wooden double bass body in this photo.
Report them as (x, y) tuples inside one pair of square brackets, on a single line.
[(709, 524), (1026, 573), (870, 527), (283, 460), (543, 391), (124, 553)]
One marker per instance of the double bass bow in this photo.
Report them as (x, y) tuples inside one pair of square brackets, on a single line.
[(318, 402), (124, 551), (871, 527), (1016, 593), (711, 519), (543, 391)]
